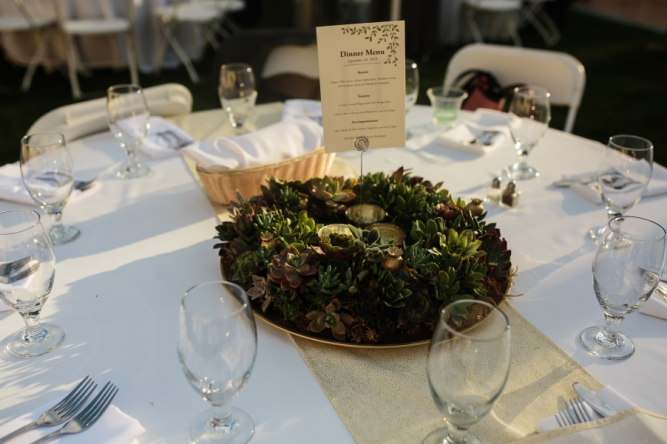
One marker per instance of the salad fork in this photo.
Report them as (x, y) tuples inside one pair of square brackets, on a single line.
[(62, 411), (88, 416), (574, 413)]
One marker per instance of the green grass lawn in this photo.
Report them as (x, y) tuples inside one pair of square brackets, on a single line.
[(626, 87)]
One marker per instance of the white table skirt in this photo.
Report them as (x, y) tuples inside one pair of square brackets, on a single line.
[(144, 242)]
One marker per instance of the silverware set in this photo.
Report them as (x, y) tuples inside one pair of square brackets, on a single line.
[(173, 139), (575, 411), (68, 407), (484, 138)]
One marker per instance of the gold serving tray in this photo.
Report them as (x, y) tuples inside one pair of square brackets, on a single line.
[(275, 319)]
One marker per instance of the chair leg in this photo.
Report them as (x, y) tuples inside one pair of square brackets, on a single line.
[(182, 55), (209, 32), (71, 66), (474, 29), (511, 28), (167, 28), (552, 29), (34, 62), (130, 46)]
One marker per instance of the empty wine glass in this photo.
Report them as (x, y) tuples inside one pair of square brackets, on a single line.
[(623, 175), (27, 270), (467, 367), (237, 92), (529, 117), (627, 267), (128, 119), (48, 175), (411, 88), (217, 347)]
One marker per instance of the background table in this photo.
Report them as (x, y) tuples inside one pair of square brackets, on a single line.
[(144, 242)]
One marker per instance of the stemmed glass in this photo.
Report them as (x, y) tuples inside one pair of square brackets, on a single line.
[(467, 368), (217, 348), (237, 93), (48, 175), (623, 175), (411, 88), (128, 119), (27, 270), (529, 117), (627, 268)]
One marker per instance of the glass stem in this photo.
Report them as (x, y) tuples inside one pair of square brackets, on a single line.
[(222, 421), (34, 332), (523, 159), (133, 160), (57, 227), (608, 336), (455, 435)]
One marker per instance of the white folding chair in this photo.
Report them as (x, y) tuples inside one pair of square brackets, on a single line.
[(207, 14), (87, 27), (561, 74), (24, 21), (507, 8)]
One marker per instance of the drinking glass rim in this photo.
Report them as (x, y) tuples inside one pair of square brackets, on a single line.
[(235, 65), (463, 92), (518, 90), (131, 87), (61, 139), (474, 338), (24, 229), (615, 145), (625, 236), (231, 284)]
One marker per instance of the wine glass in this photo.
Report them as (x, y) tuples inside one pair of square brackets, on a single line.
[(623, 175), (529, 117), (411, 88), (237, 93), (48, 175), (467, 368), (627, 268), (128, 119), (217, 348), (27, 270)]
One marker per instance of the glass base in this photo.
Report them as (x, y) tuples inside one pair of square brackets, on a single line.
[(134, 172), (64, 234), (596, 233), (518, 173), (238, 430), (593, 342), (50, 338), (439, 436)]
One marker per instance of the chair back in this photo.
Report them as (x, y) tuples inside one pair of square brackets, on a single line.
[(561, 74), (85, 118)]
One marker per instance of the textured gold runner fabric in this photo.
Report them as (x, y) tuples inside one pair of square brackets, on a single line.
[(382, 395)]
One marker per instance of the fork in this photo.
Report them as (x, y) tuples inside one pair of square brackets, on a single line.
[(88, 416), (574, 413), (12, 267), (173, 139), (62, 411)]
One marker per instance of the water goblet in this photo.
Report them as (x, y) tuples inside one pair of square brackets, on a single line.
[(128, 119), (411, 88), (623, 175), (467, 368), (529, 117), (217, 347), (626, 270), (27, 270), (48, 175), (237, 93)]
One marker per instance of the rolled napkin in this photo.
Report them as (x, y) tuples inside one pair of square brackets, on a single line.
[(300, 108), (273, 144), (459, 137), (113, 427), (12, 188), (655, 306), (164, 139), (615, 400)]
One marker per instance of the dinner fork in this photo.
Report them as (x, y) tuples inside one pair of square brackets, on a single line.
[(62, 411), (574, 413), (88, 416)]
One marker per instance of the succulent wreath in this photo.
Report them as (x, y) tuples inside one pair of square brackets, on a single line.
[(356, 287)]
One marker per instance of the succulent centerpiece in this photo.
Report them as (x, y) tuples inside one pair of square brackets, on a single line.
[(351, 285)]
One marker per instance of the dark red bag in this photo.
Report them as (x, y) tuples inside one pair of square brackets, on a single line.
[(484, 91)]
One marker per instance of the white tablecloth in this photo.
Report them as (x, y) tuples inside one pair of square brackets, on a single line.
[(145, 241)]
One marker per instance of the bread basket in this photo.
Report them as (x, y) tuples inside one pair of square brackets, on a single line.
[(222, 186)]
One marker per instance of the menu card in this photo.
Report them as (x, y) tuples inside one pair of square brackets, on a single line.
[(362, 84)]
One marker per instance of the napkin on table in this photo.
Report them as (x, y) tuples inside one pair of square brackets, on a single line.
[(275, 143), (113, 427), (300, 108), (12, 188), (482, 120), (157, 144), (655, 305), (615, 400)]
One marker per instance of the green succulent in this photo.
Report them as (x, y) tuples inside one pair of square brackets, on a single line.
[(244, 266), (334, 191), (419, 308), (351, 284), (331, 317), (393, 292), (327, 283), (291, 269), (336, 246)]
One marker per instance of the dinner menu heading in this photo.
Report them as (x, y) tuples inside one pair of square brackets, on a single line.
[(362, 84)]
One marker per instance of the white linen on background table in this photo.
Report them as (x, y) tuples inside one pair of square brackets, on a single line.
[(657, 186)]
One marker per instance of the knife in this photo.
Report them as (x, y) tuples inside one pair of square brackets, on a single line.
[(592, 399)]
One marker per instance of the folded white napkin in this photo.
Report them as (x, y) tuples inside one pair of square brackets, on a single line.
[(163, 138), (275, 143), (458, 137), (300, 108), (12, 188), (657, 186), (615, 400), (655, 305), (113, 427)]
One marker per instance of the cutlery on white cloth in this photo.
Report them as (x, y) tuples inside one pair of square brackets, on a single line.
[(300, 108), (656, 305), (460, 136), (156, 145), (617, 401), (275, 143), (12, 188)]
